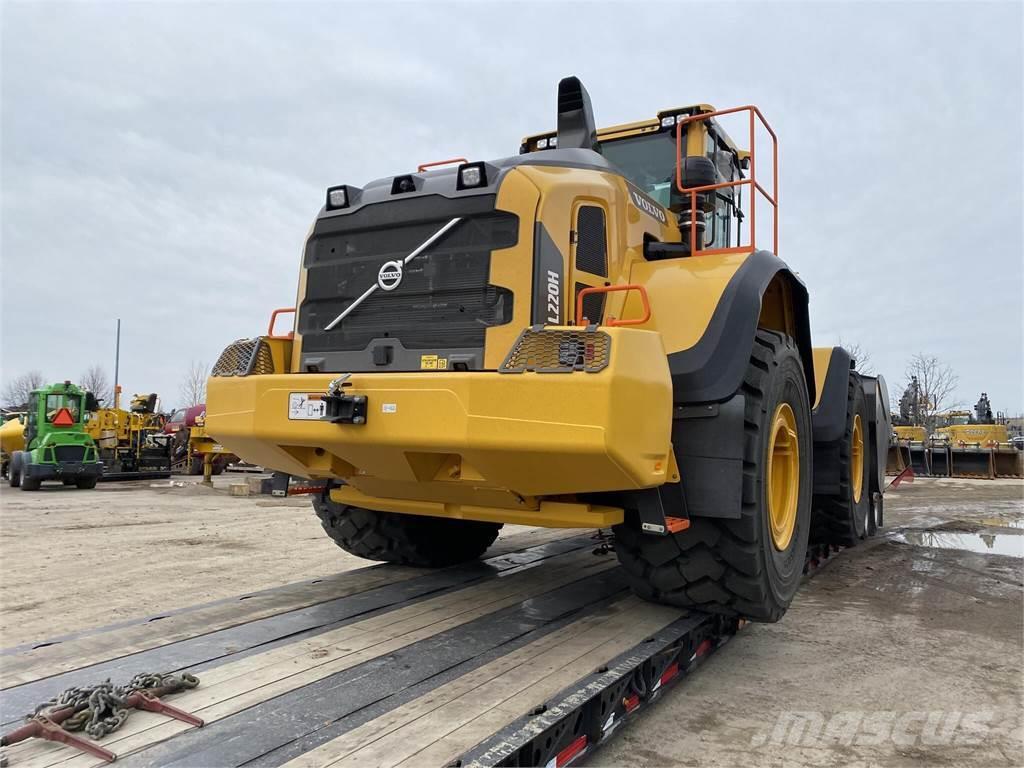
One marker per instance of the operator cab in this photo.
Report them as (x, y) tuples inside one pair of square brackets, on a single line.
[(645, 153)]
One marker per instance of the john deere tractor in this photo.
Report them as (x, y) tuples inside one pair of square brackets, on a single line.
[(56, 446), (583, 335)]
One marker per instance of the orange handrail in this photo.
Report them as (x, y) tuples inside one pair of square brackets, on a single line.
[(424, 166), (273, 321), (581, 320), (752, 182)]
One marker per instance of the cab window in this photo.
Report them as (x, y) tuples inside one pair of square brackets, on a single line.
[(55, 402)]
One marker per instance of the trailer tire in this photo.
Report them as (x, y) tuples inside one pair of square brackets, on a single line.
[(430, 542), (14, 469), (29, 483), (846, 518), (748, 567), (85, 483)]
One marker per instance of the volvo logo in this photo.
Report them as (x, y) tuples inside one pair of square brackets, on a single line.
[(390, 275)]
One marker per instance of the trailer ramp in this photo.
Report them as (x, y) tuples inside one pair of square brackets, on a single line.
[(531, 657)]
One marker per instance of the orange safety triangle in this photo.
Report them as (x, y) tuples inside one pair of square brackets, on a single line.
[(63, 418)]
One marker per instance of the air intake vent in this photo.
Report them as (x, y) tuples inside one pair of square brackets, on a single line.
[(591, 245), (244, 357), (593, 304)]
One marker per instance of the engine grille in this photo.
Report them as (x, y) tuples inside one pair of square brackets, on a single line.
[(548, 351), (64, 453), (591, 244), (444, 300), (244, 357)]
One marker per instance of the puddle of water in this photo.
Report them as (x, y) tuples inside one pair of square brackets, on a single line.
[(1003, 522), (984, 543)]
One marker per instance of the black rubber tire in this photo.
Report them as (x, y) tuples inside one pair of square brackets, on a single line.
[(85, 483), (14, 469), (731, 566), (29, 483), (70, 482), (430, 542), (841, 519), (195, 466)]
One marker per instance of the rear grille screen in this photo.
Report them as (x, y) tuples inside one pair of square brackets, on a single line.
[(444, 299), (591, 244), (69, 452), (593, 304)]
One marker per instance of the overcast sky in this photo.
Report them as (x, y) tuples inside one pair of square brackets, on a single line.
[(162, 163)]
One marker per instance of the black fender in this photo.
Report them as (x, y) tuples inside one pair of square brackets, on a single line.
[(712, 369), (828, 421), (707, 426), (876, 394), (829, 417)]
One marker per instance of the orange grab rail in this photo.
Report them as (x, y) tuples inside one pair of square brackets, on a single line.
[(751, 181), (273, 322), (424, 167), (581, 320)]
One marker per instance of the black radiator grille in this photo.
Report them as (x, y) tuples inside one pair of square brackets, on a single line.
[(63, 453), (591, 243), (443, 301), (593, 304)]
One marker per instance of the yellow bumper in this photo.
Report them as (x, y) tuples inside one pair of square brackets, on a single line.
[(467, 440)]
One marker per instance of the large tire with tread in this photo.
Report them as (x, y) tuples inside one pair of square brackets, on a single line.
[(14, 469), (430, 542), (846, 518), (734, 566), (29, 483), (85, 483)]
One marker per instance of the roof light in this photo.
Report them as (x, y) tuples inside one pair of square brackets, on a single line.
[(668, 121), (542, 144), (553, 142), (471, 175), (337, 197)]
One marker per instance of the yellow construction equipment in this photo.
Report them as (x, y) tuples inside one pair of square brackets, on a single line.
[(597, 332), (12, 438), (131, 443)]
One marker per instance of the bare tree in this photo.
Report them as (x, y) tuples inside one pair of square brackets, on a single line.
[(931, 385), (860, 355), (96, 381), (193, 386), (17, 391)]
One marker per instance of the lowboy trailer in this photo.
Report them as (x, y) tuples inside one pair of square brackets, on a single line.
[(534, 656)]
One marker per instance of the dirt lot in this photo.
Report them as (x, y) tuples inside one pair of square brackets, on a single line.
[(901, 652), (72, 560)]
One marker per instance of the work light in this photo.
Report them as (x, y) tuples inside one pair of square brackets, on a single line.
[(337, 197), (471, 175)]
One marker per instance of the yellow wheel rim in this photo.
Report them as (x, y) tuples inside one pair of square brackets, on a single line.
[(783, 476), (857, 459)]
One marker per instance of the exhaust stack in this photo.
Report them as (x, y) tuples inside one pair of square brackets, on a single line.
[(576, 127)]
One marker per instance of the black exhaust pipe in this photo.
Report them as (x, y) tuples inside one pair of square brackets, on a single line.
[(576, 127)]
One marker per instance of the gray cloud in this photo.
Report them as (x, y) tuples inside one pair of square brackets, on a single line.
[(162, 162)]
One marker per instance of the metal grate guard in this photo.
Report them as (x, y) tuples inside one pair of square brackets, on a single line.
[(544, 350)]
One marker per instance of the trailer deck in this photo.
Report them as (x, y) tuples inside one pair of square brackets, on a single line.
[(531, 656)]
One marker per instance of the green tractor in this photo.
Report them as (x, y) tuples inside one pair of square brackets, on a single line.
[(56, 444)]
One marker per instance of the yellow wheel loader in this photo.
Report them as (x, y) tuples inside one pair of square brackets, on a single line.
[(582, 335)]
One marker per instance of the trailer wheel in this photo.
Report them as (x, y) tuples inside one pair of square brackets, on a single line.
[(29, 483), (85, 483), (14, 469), (750, 566), (846, 518), (430, 542)]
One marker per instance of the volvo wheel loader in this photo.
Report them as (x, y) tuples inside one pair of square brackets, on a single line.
[(585, 334)]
